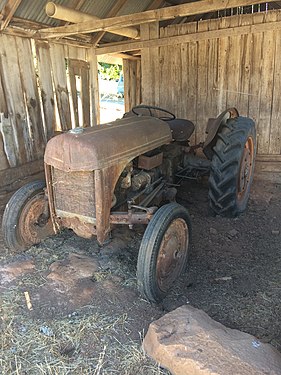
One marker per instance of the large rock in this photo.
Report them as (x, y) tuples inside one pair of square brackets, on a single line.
[(188, 342)]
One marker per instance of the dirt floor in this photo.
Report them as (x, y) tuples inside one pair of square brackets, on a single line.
[(86, 315)]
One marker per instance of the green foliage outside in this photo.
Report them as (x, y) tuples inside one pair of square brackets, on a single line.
[(109, 71)]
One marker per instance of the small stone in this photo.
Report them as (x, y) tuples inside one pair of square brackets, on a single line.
[(213, 231), (46, 331), (233, 232), (275, 232)]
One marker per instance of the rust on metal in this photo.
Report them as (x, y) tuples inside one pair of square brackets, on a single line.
[(106, 145), (172, 254), (131, 218), (105, 182), (34, 222), (149, 162), (246, 169), (80, 227), (50, 195)]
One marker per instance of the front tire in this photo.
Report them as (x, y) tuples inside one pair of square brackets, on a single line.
[(232, 167), (163, 252), (26, 220)]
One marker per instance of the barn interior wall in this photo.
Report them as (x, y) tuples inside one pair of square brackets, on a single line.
[(36, 97), (201, 78), (132, 83)]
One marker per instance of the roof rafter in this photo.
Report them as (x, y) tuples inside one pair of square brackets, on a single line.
[(7, 12), (115, 9), (112, 13), (200, 7)]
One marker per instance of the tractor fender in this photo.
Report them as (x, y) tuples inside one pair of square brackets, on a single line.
[(213, 128)]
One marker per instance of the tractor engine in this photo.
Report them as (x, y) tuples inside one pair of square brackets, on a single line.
[(143, 173), (92, 171)]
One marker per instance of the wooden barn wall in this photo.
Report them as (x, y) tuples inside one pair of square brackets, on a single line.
[(199, 79), (132, 83), (27, 115)]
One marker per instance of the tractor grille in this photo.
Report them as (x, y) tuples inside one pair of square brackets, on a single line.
[(74, 192)]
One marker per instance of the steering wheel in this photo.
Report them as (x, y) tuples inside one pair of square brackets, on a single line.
[(150, 108)]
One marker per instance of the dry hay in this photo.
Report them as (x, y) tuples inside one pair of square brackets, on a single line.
[(84, 342)]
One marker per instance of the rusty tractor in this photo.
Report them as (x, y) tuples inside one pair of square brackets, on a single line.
[(126, 172)]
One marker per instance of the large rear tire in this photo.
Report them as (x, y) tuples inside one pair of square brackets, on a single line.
[(232, 167), (26, 220), (163, 252)]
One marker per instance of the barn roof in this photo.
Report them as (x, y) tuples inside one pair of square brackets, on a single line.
[(30, 14)]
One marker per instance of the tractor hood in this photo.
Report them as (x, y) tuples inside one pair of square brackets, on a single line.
[(87, 149)]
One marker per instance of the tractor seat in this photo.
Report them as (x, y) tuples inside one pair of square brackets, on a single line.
[(181, 129)]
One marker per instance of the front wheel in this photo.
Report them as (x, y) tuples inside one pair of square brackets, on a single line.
[(163, 252), (232, 167), (26, 219)]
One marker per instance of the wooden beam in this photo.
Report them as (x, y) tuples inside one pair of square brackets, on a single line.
[(12, 175), (112, 13), (200, 7), (193, 37), (30, 34), (8, 12), (115, 9), (77, 4)]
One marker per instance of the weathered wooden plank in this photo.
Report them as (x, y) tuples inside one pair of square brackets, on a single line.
[(3, 103), (132, 83), (73, 94), (150, 73), (233, 67), (8, 147), (223, 53), (85, 95), (204, 35), (80, 68), (246, 43), (31, 97), (127, 85), (202, 85), (164, 73), (266, 89), (4, 112), (73, 52), (58, 63), (94, 87), (13, 175), (189, 54), (268, 158), (212, 103), (255, 81), (174, 83), (204, 6), (15, 99), (3, 158), (46, 87), (138, 82), (275, 129)]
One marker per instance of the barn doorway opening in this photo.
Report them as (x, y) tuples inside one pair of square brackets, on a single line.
[(111, 88)]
